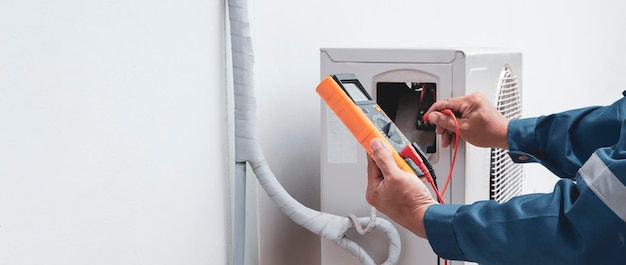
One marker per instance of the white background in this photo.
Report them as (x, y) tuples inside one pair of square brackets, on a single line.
[(112, 132), (573, 56)]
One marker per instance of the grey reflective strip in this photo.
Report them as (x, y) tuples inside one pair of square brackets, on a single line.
[(605, 185)]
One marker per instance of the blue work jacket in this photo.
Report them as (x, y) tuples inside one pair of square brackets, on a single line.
[(583, 221)]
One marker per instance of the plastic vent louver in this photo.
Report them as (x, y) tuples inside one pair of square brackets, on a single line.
[(506, 177)]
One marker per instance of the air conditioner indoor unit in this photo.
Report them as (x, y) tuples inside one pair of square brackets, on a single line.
[(405, 83)]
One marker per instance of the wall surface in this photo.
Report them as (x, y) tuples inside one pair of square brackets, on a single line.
[(112, 138), (571, 54)]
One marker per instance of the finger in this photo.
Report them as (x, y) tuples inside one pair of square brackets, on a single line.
[(439, 130), (374, 176), (383, 158), (450, 103), (452, 139), (442, 120), (445, 139), (445, 136), (374, 179)]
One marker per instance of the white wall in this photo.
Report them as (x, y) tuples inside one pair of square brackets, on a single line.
[(112, 138), (573, 57)]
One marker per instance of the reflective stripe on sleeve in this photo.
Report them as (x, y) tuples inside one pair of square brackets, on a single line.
[(601, 180)]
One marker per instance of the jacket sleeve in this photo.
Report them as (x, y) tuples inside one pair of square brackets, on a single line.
[(563, 142), (583, 221)]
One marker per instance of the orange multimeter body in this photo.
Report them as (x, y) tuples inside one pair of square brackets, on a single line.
[(346, 97)]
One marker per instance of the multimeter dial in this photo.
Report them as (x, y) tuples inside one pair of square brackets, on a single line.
[(392, 132), (388, 129), (381, 121)]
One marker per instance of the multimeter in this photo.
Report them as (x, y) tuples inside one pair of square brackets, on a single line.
[(346, 97)]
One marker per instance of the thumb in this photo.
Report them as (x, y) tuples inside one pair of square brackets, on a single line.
[(383, 157), (441, 120)]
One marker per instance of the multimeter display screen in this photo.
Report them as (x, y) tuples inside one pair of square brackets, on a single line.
[(355, 92)]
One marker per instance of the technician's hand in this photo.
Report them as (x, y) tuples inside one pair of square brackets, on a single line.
[(481, 124), (400, 195)]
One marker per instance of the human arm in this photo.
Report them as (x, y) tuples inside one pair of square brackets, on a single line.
[(563, 142), (569, 226), (580, 222)]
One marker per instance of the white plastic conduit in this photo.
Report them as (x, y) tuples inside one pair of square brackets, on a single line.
[(247, 149)]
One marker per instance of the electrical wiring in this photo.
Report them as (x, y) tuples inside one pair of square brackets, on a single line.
[(456, 149), (438, 194), (415, 154), (429, 178)]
